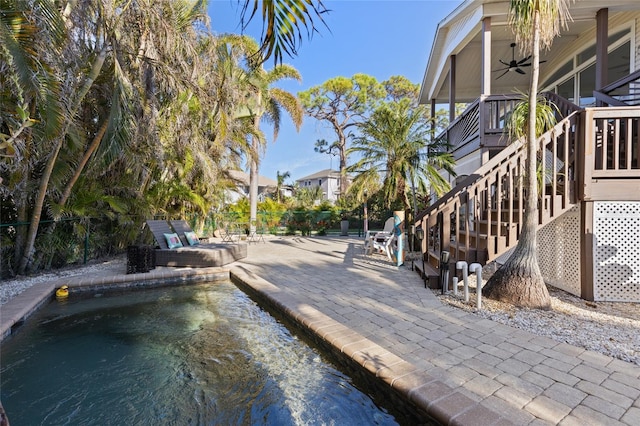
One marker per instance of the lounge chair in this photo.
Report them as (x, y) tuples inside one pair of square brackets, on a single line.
[(381, 241), (201, 255)]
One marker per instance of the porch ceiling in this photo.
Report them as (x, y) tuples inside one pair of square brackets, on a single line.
[(460, 34)]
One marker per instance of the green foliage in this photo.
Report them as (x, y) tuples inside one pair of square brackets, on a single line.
[(282, 24), (239, 212), (270, 213), (305, 197), (395, 146), (517, 123), (341, 103)]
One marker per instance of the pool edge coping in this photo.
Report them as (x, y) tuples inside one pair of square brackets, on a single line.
[(433, 398), (15, 312)]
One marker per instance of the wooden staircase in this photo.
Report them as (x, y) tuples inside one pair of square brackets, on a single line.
[(481, 218)]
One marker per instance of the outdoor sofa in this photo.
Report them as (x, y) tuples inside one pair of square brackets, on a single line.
[(200, 255)]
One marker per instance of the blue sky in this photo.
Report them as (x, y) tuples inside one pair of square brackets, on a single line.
[(381, 38)]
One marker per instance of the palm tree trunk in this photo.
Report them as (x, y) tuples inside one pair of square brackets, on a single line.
[(253, 170), (36, 215), (253, 186), (519, 280), (88, 153)]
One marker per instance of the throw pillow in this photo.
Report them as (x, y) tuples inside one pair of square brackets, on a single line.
[(192, 238), (173, 241)]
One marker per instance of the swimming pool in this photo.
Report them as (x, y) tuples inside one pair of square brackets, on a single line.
[(198, 354)]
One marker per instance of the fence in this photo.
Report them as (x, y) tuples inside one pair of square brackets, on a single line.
[(78, 240)]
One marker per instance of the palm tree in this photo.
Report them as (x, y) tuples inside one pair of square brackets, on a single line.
[(280, 183), (519, 280), (265, 101), (395, 142), (99, 105), (102, 102)]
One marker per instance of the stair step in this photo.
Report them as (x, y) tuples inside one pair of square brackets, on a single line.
[(427, 272)]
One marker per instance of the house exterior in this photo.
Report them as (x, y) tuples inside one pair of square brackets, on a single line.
[(589, 221), (266, 186), (328, 180)]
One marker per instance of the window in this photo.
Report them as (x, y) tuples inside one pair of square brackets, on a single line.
[(570, 81), (587, 84), (567, 89)]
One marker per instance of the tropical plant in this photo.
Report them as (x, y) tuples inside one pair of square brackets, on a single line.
[(271, 213), (395, 144), (137, 96), (519, 280), (280, 178), (307, 197)]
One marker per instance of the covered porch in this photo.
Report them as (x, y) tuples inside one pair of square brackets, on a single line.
[(589, 162)]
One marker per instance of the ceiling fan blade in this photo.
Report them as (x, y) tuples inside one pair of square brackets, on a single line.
[(502, 74), (503, 62), (523, 60), (501, 69), (528, 65), (519, 71)]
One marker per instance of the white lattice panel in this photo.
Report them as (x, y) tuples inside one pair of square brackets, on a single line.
[(559, 251), (616, 268)]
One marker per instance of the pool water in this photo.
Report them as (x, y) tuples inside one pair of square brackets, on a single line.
[(188, 355)]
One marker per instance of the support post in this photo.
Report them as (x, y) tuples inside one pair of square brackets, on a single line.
[(398, 228)]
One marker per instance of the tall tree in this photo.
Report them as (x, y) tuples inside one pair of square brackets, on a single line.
[(114, 59), (89, 91), (267, 102), (519, 280), (395, 143), (342, 103)]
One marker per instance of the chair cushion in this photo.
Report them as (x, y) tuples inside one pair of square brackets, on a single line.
[(192, 238), (173, 241)]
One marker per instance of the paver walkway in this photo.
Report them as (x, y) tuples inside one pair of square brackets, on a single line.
[(457, 367), (522, 377)]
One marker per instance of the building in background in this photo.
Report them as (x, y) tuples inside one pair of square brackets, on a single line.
[(327, 180), (266, 186)]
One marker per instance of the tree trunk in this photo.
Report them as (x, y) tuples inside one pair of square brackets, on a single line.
[(36, 215), (253, 172), (88, 153), (342, 143), (519, 280)]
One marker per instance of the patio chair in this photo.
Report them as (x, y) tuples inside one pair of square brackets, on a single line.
[(380, 241), (230, 233), (257, 235), (201, 255)]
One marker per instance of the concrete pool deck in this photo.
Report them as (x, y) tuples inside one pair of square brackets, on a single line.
[(453, 365)]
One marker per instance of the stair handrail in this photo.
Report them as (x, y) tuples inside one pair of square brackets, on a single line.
[(490, 166), (603, 94)]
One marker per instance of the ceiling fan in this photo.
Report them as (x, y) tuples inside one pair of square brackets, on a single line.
[(514, 65)]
